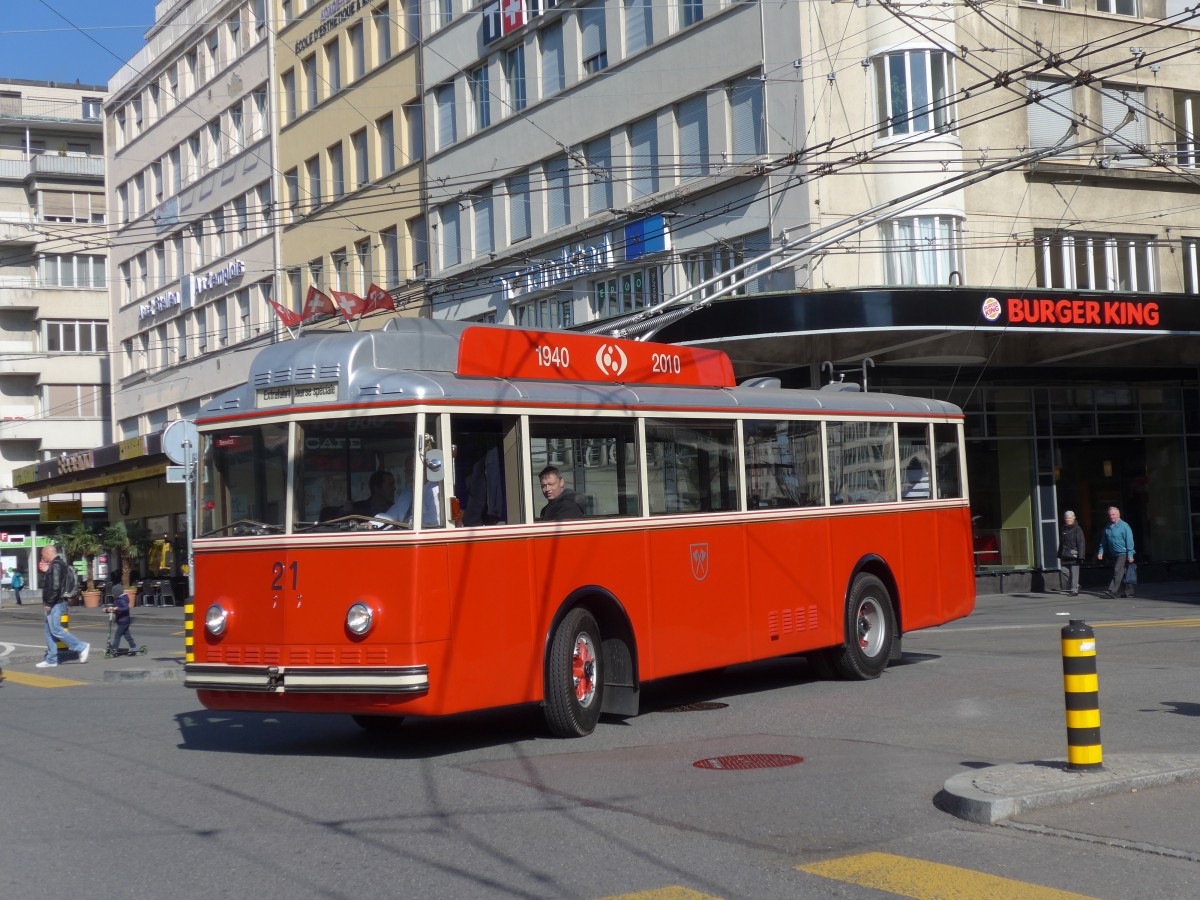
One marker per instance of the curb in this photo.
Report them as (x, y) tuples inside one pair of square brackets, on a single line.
[(988, 796)]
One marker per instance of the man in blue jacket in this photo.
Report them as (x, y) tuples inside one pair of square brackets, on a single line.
[(1118, 543)]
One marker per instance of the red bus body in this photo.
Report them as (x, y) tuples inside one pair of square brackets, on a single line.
[(463, 617)]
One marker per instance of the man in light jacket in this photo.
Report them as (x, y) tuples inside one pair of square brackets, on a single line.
[(1118, 543)]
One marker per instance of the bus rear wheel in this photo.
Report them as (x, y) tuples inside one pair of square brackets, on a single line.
[(870, 631), (575, 676), (378, 724)]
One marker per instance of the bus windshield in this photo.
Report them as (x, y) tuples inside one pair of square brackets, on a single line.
[(244, 480)]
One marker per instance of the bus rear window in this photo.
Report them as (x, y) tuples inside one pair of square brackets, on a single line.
[(244, 480)]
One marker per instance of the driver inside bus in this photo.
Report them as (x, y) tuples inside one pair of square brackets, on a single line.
[(383, 494), (402, 509), (563, 503)]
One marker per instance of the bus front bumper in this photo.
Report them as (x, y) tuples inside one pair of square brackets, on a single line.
[(307, 679)]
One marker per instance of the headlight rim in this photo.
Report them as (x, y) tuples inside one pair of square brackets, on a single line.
[(361, 624), (216, 620)]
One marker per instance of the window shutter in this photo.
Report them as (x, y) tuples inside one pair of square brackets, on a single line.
[(638, 28), (1048, 118), (1115, 102), (643, 140), (591, 23), (552, 60), (599, 160), (693, 137), (449, 217), (558, 197), (746, 115), (445, 105), (518, 207), (58, 203), (483, 225)]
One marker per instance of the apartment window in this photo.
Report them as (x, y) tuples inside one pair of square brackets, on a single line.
[(333, 65), (243, 301), (80, 270), (263, 197), (74, 337), (558, 193), (1191, 265), (691, 117), (414, 115), (191, 69), (554, 77), (289, 15), (1129, 144), (387, 144), (1051, 112), (595, 43), (481, 97), (746, 124), (1187, 127), (598, 154), (626, 293), (214, 54), (202, 330), (289, 95), (181, 338), (237, 134), (383, 32), (136, 107), (914, 92), (482, 213), (358, 51), (450, 247), (258, 14), (643, 158), (241, 217), (639, 28), (444, 100), (218, 227), (546, 313), (1119, 7), (337, 174), (75, 401), (91, 107), (518, 208), (362, 166), (514, 78), (690, 12), (341, 270), (725, 257), (291, 187), (922, 249), (69, 206), (389, 240), (412, 20), (310, 80), (418, 244), (234, 28), (312, 169), (445, 9), (1078, 260), (366, 274)]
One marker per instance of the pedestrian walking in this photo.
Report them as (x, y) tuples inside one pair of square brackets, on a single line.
[(1117, 541), (18, 582), (59, 583), (118, 607), (1071, 551)]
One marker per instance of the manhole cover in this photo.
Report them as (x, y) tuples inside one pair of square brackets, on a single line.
[(696, 707), (749, 761)]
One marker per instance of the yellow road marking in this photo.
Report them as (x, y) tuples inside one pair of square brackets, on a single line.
[(923, 880), (1151, 623), (675, 892), (44, 681)]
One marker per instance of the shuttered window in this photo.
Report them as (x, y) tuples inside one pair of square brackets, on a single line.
[(518, 207), (599, 175), (553, 74), (483, 224), (643, 153), (1051, 111), (558, 194), (444, 97), (746, 119), (639, 30), (692, 120), (595, 45), (450, 247), (1115, 104)]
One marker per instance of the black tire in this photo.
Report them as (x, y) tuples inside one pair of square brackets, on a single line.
[(378, 724), (575, 676), (870, 628)]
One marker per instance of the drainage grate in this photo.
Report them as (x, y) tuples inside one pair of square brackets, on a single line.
[(749, 761), (696, 707)]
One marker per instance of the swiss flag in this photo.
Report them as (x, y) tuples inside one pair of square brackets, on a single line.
[(512, 15), (351, 306), (286, 316), (315, 304), (377, 298)]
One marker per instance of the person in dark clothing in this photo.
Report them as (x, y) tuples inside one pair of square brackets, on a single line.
[(1071, 551), (118, 606), (563, 504), (383, 494), (54, 604), (18, 582)]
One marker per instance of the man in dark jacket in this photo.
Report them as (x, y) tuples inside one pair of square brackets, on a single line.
[(1070, 551), (54, 604), (563, 504)]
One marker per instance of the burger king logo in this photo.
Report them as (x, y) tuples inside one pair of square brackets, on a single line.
[(991, 309)]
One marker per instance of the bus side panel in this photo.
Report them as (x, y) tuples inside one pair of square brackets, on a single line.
[(957, 564), (494, 653), (241, 582), (859, 532), (793, 605), (698, 589), (918, 568)]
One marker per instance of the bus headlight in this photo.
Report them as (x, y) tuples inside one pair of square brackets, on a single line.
[(216, 619), (358, 618)]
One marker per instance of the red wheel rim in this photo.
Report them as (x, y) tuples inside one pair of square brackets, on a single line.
[(583, 669)]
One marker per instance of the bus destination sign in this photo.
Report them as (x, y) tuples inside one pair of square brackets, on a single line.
[(565, 356)]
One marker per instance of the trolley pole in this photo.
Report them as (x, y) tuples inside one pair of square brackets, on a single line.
[(1082, 688)]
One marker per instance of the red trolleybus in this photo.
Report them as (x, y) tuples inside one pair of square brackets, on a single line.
[(374, 535)]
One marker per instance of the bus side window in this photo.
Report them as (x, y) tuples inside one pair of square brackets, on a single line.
[(914, 461), (486, 475), (596, 458), (949, 479), (783, 464), (862, 462), (691, 466)]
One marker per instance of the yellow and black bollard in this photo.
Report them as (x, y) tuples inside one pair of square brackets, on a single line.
[(65, 621), (189, 640), (1083, 696)]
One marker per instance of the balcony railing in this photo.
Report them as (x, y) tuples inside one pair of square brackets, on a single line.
[(52, 164), (69, 108)]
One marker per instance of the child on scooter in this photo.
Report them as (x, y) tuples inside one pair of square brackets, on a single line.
[(119, 607)]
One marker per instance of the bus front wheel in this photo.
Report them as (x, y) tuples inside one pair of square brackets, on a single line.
[(870, 631), (575, 676)]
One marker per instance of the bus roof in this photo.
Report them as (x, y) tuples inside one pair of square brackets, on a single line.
[(413, 361)]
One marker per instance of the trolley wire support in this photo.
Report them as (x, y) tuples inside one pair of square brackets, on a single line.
[(1082, 688)]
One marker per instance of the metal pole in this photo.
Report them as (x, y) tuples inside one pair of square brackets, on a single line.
[(1082, 688), (189, 472)]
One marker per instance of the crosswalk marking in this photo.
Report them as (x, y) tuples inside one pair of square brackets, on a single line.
[(43, 681), (1151, 623), (923, 880), (674, 892)]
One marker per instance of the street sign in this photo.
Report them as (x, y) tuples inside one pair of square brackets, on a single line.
[(176, 475), (174, 436)]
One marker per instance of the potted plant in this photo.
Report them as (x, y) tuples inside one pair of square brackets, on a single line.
[(126, 542), (81, 541)]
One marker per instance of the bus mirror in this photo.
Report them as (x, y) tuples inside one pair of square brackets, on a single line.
[(435, 466)]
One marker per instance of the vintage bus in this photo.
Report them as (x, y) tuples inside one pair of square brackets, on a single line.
[(373, 537)]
